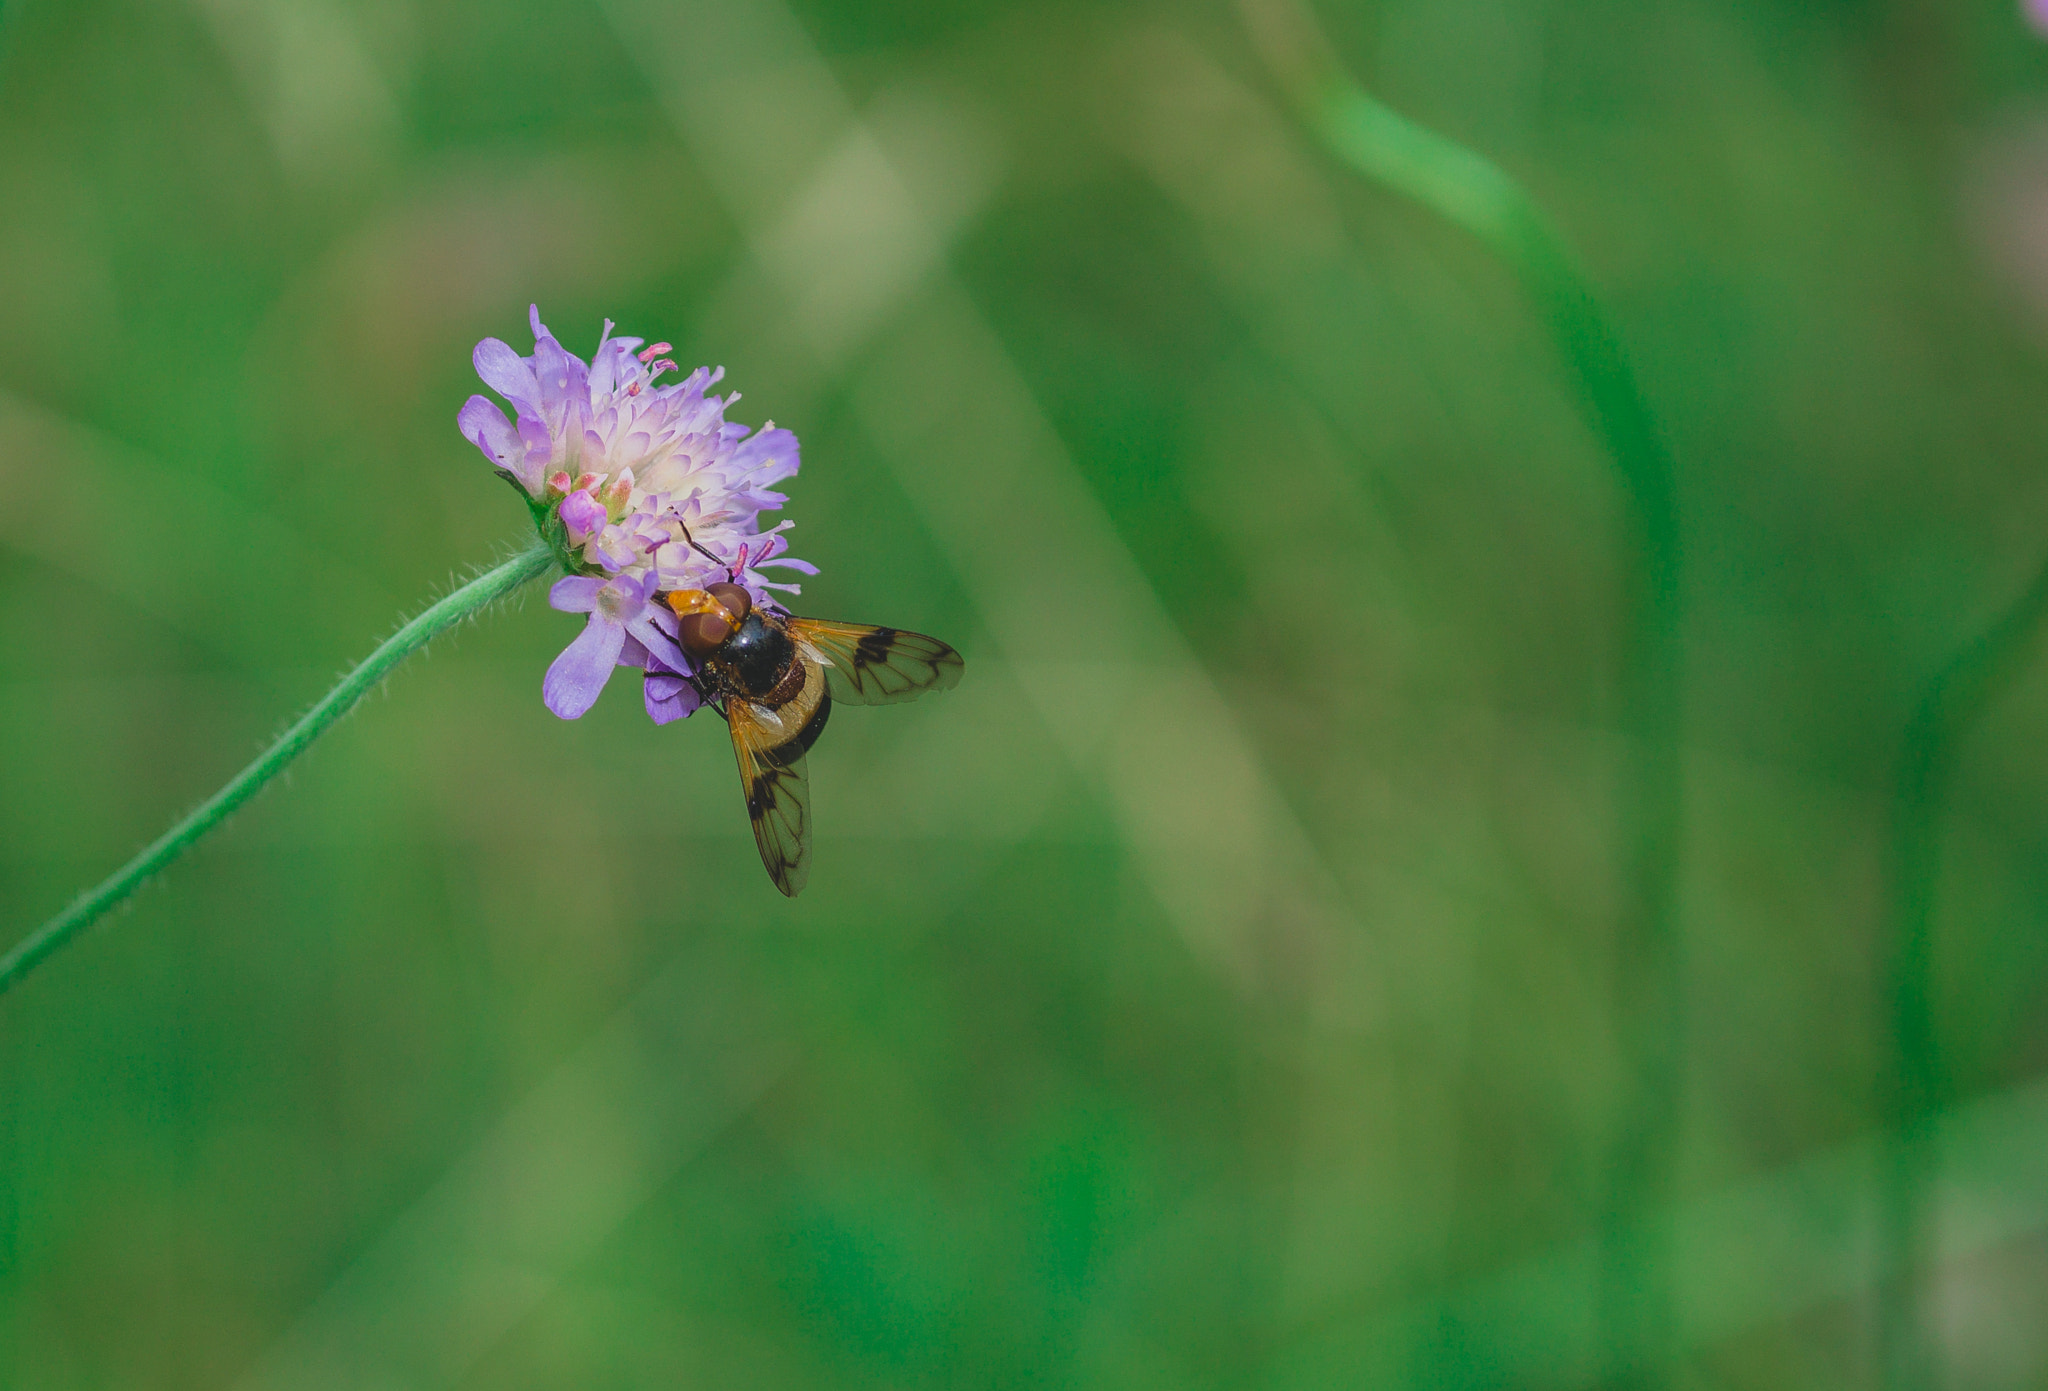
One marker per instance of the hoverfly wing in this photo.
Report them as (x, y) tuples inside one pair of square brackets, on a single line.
[(878, 666), (778, 793)]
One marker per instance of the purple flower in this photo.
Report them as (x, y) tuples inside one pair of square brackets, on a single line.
[(637, 448), (2036, 12), (620, 613), (655, 491)]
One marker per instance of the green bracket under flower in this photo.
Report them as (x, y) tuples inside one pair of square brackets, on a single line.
[(1635, 1298)]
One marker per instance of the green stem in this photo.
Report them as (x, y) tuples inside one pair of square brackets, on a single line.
[(1635, 1301), (1913, 1086), (480, 592)]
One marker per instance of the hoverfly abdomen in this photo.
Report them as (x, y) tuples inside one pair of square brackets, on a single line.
[(789, 685), (814, 726)]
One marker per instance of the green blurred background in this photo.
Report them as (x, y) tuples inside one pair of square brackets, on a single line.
[(1214, 991)]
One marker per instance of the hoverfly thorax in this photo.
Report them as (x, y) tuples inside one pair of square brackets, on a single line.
[(759, 659)]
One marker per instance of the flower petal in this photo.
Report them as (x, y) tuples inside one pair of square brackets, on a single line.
[(564, 381), (661, 646), (485, 426), (612, 366), (576, 678), (664, 618), (539, 441), (770, 456), (634, 654), (575, 593), (508, 374), (669, 698)]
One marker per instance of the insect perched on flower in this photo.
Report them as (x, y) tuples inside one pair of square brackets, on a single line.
[(651, 502), (775, 677)]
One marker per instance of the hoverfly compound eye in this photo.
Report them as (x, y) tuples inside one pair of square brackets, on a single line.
[(736, 601), (704, 632)]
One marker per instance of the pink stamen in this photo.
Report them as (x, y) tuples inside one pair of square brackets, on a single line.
[(649, 354), (633, 389)]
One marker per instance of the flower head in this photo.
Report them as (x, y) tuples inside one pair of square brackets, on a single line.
[(642, 488)]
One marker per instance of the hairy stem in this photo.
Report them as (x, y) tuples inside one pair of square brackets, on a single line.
[(480, 592), (1635, 1301), (1913, 1085)]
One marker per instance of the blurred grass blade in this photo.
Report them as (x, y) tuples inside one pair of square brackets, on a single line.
[(1913, 1085), (1636, 1309), (469, 599)]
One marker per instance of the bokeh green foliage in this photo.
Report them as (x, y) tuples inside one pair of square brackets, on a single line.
[(482, 1054)]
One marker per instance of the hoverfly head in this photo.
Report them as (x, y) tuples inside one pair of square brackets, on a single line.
[(709, 616)]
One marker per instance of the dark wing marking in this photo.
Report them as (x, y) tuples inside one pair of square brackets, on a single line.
[(878, 666), (778, 793)]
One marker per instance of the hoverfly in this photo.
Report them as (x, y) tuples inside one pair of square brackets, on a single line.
[(774, 678)]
